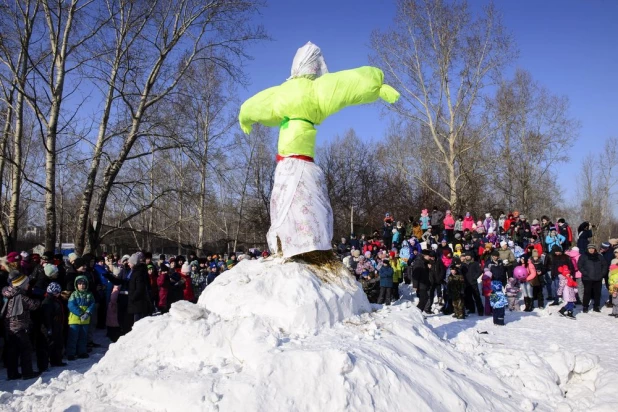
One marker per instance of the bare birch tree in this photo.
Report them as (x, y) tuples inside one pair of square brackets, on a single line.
[(442, 60)]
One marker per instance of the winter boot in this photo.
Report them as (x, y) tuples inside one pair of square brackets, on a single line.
[(585, 310), (529, 305), (563, 312), (570, 315)]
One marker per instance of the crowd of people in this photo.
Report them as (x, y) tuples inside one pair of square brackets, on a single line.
[(486, 266), (51, 305)]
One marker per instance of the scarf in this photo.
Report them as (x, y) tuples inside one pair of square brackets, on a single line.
[(18, 305)]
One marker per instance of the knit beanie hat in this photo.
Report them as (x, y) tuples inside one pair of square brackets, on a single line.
[(51, 271), (186, 268), (17, 279), (72, 257), (135, 258), (54, 288)]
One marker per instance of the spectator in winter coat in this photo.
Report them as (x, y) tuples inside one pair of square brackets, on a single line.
[(489, 223), (111, 319), (566, 289), (405, 252), (574, 255), (459, 226), (472, 272), (593, 268), (496, 267), (546, 226), (53, 322), (498, 302), (456, 287), (613, 285), (163, 282), (387, 232), (607, 251), (512, 294), (449, 226), (583, 236), (139, 289), (354, 243), (398, 267), (536, 279), (436, 220), (386, 282), (486, 284), (420, 278), (565, 230), (425, 220), (16, 311), (555, 260), (468, 222), (554, 239), (81, 308), (185, 273)]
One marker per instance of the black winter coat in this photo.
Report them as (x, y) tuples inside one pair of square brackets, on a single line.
[(498, 272), (420, 274), (139, 291), (472, 273), (592, 267)]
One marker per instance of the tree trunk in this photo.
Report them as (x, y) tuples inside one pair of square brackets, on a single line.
[(17, 171), (50, 179), (4, 238), (201, 236)]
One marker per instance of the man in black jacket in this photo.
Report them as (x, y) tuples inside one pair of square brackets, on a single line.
[(593, 268), (495, 265), (420, 278), (472, 271)]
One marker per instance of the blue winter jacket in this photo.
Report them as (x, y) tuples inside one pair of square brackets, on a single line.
[(551, 241), (386, 276)]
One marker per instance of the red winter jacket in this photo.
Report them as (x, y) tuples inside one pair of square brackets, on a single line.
[(188, 292)]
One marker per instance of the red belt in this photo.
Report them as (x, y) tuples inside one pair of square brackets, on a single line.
[(301, 157)]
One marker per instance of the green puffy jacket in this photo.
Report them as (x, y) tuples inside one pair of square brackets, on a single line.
[(301, 103)]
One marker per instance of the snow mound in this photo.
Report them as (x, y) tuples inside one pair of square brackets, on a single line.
[(290, 297), (278, 336), (550, 375)]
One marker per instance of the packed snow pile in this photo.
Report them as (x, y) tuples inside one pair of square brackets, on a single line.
[(270, 336)]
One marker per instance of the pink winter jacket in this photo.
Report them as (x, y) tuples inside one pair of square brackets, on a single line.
[(567, 292), (449, 222), (468, 223), (574, 255)]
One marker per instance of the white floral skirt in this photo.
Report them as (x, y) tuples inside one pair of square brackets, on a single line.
[(300, 212)]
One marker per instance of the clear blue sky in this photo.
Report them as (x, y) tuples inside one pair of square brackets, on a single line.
[(569, 46)]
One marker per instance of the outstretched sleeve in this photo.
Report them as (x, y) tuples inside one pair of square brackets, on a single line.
[(259, 109), (334, 91)]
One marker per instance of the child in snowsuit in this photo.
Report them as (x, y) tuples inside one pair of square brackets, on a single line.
[(498, 302), (613, 285), (486, 285), (512, 294), (386, 282), (81, 306), (53, 321), (455, 289), (567, 287)]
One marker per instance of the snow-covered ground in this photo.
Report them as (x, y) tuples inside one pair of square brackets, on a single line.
[(272, 336)]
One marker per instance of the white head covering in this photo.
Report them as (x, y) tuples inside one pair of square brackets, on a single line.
[(308, 61)]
